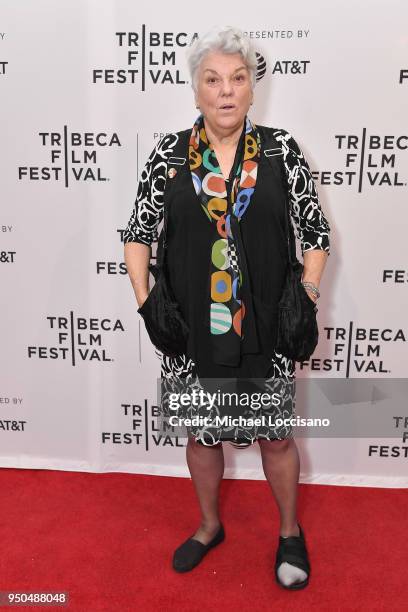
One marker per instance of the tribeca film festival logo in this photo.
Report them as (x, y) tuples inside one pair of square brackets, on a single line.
[(141, 422), (72, 155), (356, 350), (386, 451), (77, 339), (370, 160), (149, 58)]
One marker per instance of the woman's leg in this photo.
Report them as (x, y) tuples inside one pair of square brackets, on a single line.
[(280, 460), (281, 465), (206, 465)]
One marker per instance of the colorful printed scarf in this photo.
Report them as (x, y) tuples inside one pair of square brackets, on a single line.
[(231, 314)]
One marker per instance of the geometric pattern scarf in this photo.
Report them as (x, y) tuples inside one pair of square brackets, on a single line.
[(231, 314)]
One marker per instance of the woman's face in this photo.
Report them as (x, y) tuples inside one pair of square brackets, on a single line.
[(224, 93)]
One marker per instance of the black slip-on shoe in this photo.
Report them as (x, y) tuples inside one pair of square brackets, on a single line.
[(191, 552), (293, 550)]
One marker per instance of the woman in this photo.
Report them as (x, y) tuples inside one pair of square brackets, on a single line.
[(226, 259)]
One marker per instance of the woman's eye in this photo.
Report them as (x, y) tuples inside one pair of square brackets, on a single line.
[(240, 77)]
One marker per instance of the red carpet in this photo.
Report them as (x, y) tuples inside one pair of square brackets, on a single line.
[(108, 540)]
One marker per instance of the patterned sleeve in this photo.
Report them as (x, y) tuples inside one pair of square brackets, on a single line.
[(311, 226), (148, 207)]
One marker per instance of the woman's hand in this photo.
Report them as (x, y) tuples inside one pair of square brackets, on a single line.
[(311, 294), (141, 300)]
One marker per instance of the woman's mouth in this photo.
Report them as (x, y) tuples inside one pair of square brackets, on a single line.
[(227, 107)]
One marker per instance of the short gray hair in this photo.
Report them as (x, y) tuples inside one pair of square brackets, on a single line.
[(226, 39)]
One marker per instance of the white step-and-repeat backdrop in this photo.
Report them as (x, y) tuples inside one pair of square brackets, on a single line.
[(87, 87)]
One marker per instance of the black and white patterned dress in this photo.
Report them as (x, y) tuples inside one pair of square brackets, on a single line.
[(264, 238)]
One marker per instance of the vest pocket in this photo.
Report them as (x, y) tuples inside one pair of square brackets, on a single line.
[(163, 320), (143, 307)]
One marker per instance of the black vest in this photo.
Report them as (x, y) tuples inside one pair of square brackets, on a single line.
[(189, 234)]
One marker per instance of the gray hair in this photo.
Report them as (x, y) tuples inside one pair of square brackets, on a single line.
[(226, 39)]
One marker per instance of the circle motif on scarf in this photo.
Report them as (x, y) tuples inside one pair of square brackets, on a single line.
[(249, 173), (219, 254), (214, 185), (216, 207), (237, 320), (221, 319), (221, 289), (194, 158), (235, 289), (210, 161), (242, 203)]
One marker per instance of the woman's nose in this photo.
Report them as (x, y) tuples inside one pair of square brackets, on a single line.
[(226, 87)]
